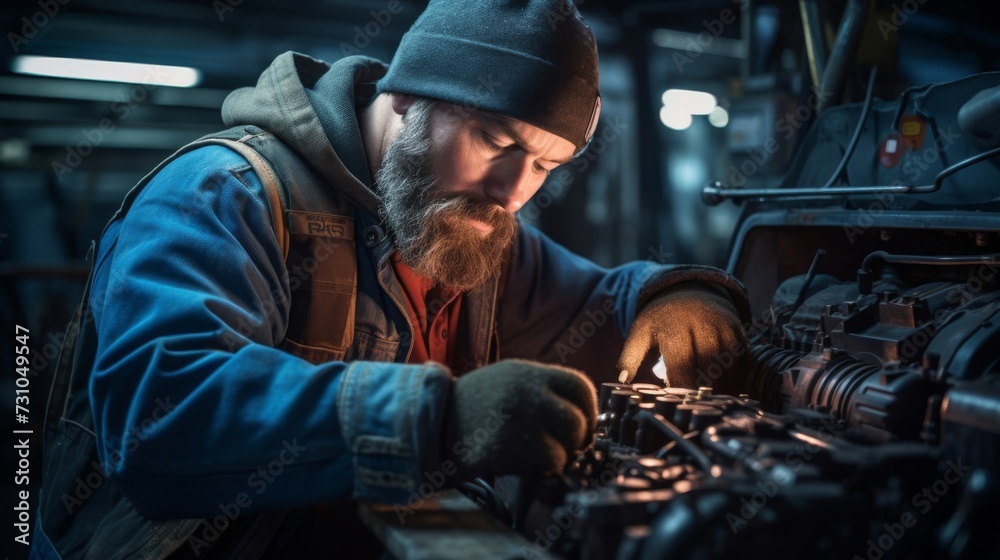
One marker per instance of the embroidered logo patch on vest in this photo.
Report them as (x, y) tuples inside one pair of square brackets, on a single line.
[(320, 225)]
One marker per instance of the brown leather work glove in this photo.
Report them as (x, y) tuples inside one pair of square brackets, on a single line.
[(698, 332), (518, 417)]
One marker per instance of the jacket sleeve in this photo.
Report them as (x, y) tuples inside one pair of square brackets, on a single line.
[(559, 307), (194, 406)]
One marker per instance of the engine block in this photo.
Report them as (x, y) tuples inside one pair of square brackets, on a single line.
[(869, 429)]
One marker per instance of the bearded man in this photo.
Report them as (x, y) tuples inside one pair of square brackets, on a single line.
[(243, 377)]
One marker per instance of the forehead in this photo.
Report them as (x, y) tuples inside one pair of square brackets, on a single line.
[(534, 140)]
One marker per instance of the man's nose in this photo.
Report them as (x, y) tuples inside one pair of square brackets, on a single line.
[(512, 183)]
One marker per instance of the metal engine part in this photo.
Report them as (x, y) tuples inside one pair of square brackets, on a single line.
[(870, 428)]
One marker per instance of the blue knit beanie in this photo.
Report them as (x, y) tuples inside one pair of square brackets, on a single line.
[(532, 60)]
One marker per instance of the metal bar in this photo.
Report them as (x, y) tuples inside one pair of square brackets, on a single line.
[(816, 51), (445, 526), (845, 46), (716, 192)]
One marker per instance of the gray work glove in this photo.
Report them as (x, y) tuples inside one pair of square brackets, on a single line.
[(698, 332), (518, 417)]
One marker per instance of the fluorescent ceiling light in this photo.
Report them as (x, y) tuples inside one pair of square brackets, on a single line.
[(693, 102), (675, 118), (107, 71)]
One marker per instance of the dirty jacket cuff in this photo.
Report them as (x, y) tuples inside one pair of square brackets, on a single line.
[(389, 415)]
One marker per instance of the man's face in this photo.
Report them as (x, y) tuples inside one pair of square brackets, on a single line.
[(451, 181)]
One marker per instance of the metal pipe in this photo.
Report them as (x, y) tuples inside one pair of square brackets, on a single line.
[(746, 36), (869, 92), (866, 279), (716, 192), (812, 27), (845, 46), (939, 260)]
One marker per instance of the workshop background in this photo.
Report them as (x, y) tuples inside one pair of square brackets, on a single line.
[(693, 91)]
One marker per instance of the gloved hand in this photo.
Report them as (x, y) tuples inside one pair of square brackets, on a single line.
[(518, 417), (697, 330)]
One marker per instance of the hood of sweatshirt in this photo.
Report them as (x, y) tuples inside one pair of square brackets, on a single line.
[(312, 107)]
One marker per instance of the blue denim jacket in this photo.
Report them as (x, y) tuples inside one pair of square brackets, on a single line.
[(188, 321)]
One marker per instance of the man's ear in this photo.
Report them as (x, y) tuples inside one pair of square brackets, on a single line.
[(401, 102)]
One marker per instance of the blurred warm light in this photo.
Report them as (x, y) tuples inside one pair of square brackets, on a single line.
[(107, 71), (690, 101), (719, 117), (675, 118)]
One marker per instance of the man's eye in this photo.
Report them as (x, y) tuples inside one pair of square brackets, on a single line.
[(540, 169), (490, 144)]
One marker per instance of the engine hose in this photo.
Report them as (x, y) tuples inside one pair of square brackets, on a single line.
[(837, 387), (762, 380)]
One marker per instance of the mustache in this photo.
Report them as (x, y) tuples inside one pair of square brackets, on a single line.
[(464, 206)]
